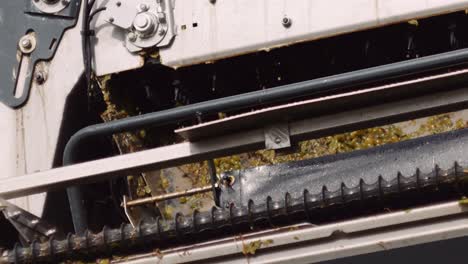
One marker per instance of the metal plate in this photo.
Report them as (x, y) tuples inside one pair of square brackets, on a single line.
[(110, 53), (16, 19), (208, 32)]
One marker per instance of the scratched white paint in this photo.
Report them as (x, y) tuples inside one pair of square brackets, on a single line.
[(29, 135), (7, 141), (232, 27)]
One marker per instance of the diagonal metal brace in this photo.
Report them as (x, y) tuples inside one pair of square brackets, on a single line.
[(29, 226)]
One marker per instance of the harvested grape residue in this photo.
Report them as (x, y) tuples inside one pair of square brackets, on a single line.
[(341, 143), (463, 201), (197, 174), (252, 247), (356, 140)]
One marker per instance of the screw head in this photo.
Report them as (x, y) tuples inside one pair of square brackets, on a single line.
[(111, 19), (132, 37), (65, 2), (143, 7), (40, 77), (277, 140), (161, 32), (287, 22)]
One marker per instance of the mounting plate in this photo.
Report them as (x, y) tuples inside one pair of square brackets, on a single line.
[(18, 19)]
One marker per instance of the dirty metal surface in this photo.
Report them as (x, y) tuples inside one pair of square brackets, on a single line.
[(16, 19), (327, 105), (212, 30), (258, 183)]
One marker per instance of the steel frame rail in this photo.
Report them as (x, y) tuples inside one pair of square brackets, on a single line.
[(306, 243), (187, 152)]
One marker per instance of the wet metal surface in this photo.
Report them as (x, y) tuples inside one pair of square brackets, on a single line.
[(259, 183)]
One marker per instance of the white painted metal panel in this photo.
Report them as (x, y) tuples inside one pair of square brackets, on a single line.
[(30, 134), (110, 54), (208, 32)]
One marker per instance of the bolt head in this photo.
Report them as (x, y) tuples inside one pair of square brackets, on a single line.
[(287, 22), (132, 37), (143, 7), (141, 21), (40, 77), (161, 18), (26, 43)]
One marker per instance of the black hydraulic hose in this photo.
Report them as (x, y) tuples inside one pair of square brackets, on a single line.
[(75, 196), (286, 92)]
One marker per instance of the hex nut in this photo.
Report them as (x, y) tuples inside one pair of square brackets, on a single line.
[(27, 44)]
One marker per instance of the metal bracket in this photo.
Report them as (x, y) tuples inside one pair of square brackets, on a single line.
[(32, 35), (148, 23), (277, 136), (29, 226)]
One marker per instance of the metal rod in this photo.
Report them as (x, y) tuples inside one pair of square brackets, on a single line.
[(246, 100), (225, 145), (282, 93), (296, 208), (164, 197)]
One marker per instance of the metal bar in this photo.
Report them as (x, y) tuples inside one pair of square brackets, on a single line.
[(307, 205), (309, 244), (187, 152), (287, 92), (325, 105), (164, 197)]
